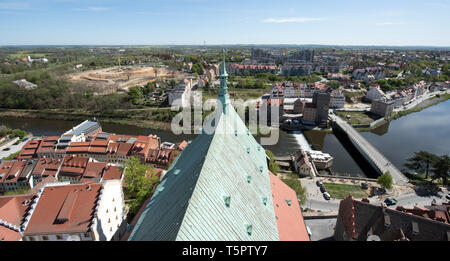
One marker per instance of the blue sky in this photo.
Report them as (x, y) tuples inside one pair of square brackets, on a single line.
[(363, 22)]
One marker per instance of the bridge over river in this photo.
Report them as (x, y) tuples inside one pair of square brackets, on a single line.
[(372, 155)]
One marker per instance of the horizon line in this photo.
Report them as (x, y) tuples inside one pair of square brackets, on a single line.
[(237, 44)]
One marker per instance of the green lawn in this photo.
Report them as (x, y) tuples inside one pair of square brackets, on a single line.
[(358, 117), (341, 191)]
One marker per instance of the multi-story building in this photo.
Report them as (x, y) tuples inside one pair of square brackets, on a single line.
[(16, 175), (375, 93), (382, 108), (181, 94), (369, 74), (322, 102), (251, 69), (337, 99), (310, 113)]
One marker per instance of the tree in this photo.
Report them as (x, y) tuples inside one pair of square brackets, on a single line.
[(385, 180), (138, 185), (273, 166), (421, 162), (441, 169)]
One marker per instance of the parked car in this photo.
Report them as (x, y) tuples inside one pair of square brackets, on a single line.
[(390, 201), (6, 149), (447, 196), (364, 186), (326, 196), (323, 189), (319, 183), (25, 139)]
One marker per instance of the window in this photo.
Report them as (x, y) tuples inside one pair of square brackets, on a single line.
[(31, 238), (59, 237), (45, 238), (87, 234)]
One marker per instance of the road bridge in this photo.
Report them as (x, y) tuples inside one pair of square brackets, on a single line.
[(372, 155)]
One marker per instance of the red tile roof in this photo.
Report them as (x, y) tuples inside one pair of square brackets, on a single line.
[(291, 226), (13, 208), (47, 167), (64, 209), (112, 172)]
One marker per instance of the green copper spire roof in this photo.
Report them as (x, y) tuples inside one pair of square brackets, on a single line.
[(224, 97)]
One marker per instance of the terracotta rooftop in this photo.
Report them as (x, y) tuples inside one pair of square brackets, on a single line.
[(112, 172), (47, 167), (73, 165), (64, 209), (290, 223)]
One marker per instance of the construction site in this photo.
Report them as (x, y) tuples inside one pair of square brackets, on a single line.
[(121, 78)]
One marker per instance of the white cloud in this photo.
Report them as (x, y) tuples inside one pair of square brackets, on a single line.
[(291, 20)]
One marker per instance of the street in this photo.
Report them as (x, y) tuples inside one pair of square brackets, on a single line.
[(12, 149)]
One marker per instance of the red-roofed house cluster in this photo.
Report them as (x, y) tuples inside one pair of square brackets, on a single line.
[(88, 155), (65, 212)]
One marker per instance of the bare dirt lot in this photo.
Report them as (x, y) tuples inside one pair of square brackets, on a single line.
[(112, 79)]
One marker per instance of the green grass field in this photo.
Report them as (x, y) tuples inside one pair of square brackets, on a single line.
[(358, 118), (341, 191), (22, 54)]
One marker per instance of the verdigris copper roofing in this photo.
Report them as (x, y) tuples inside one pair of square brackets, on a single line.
[(206, 194)]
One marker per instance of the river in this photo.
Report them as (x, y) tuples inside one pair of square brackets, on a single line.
[(398, 140)]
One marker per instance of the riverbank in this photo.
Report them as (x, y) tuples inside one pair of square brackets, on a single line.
[(423, 105), (138, 118)]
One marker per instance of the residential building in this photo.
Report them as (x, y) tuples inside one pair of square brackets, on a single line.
[(16, 175), (181, 94), (369, 74), (293, 105), (337, 99), (375, 92), (251, 69)]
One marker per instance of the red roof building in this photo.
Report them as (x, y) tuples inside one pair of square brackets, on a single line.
[(64, 210), (290, 223), (12, 212)]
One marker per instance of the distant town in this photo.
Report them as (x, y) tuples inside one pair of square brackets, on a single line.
[(352, 162)]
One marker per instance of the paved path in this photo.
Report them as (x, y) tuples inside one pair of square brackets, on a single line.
[(12, 149), (321, 228)]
